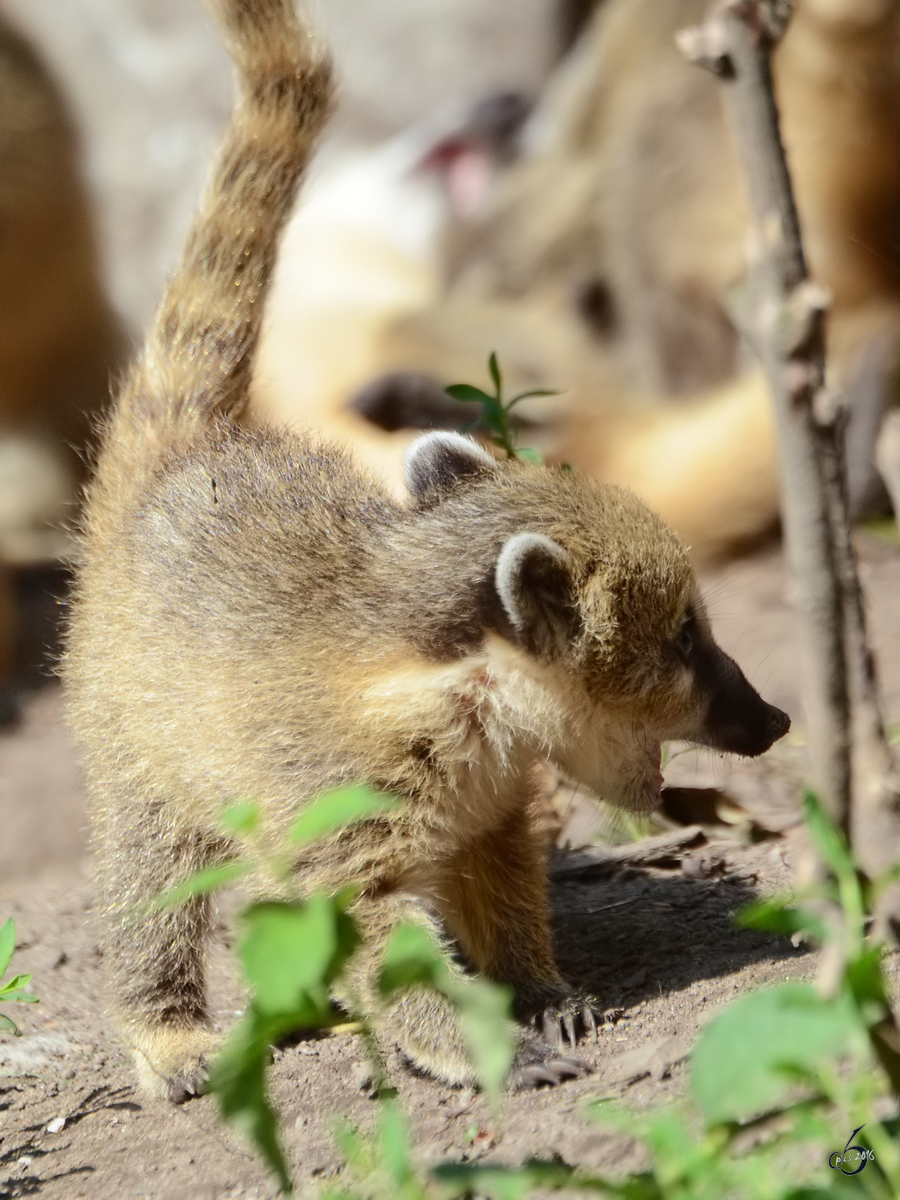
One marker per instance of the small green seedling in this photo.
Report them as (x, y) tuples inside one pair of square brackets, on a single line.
[(497, 414), (293, 953), (13, 989)]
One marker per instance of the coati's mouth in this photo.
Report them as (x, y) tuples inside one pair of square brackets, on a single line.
[(621, 763), (641, 791), (658, 776)]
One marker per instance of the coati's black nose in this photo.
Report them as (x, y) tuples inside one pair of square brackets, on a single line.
[(748, 727), (738, 719), (779, 723)]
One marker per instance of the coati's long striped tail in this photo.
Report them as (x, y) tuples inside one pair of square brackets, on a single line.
[(197, 360)]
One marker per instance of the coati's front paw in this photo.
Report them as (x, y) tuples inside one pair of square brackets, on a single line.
[(536, 1064), (557, 1015), (173, 1064), (566, 1020)]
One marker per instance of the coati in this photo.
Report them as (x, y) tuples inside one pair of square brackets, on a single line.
[(59, 337), (606, 261), (256, 618)]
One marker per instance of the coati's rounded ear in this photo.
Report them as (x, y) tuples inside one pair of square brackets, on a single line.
[(435, 462), (534, 582)]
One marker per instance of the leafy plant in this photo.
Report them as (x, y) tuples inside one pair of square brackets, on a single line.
[(497, 414), (14, 989), (293, 953), (778, 1081)]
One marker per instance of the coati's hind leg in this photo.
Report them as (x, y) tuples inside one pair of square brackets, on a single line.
[(496, 906), (155, 956), (420, 1022)]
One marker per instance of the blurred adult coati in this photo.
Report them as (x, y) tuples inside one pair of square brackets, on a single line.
[(608, 260), (653, 214), (59, 339), (255, 617)]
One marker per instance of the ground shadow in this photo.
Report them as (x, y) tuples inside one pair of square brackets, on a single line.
[(634, 933)]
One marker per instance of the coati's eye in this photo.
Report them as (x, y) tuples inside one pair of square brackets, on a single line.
[(685, 643)]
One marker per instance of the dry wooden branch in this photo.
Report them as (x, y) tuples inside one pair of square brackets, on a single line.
[(785, 318)]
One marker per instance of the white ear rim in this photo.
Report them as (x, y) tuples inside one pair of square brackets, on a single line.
[(427, 451), (509, 568)]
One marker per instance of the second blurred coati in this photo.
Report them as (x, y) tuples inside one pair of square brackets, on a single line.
[(59, 338), (605, 263), (256, 617)]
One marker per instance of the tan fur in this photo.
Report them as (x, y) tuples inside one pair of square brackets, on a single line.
[(256, 618), (59, 339)]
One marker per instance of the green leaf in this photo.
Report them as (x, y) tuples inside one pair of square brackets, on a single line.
[(337, 809), (832, 847), (14, 989), (353, 1147), (291, 953), (533, 392), (484, 1014), (242, 819), (469, 394), (7, 944), (736, 1067), (238, 1078), (494, 368), (9, 1025), (412, 957), (202, 882), (17, 981), (393, 1140), (515, 1183), (493, 414), (828, 840), (526, 454), (866, 978), (780, 914), (20, 996)]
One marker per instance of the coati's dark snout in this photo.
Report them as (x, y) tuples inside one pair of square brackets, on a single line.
[(738, 720)]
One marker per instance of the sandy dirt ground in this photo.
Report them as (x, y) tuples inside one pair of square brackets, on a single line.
[(645, 926)]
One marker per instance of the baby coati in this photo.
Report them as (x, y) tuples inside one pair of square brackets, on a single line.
[(255, 618)]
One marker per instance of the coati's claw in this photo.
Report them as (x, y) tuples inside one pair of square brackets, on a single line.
[(539, 1064), (174, 1064), (590, 1020), (535, 1075), (188, 1084), (569, 1021), (565, 1022), (569, 1066)]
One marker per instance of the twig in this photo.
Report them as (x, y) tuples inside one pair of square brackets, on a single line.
[(785, 317)]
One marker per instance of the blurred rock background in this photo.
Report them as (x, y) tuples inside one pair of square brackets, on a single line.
[(150, 89)]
